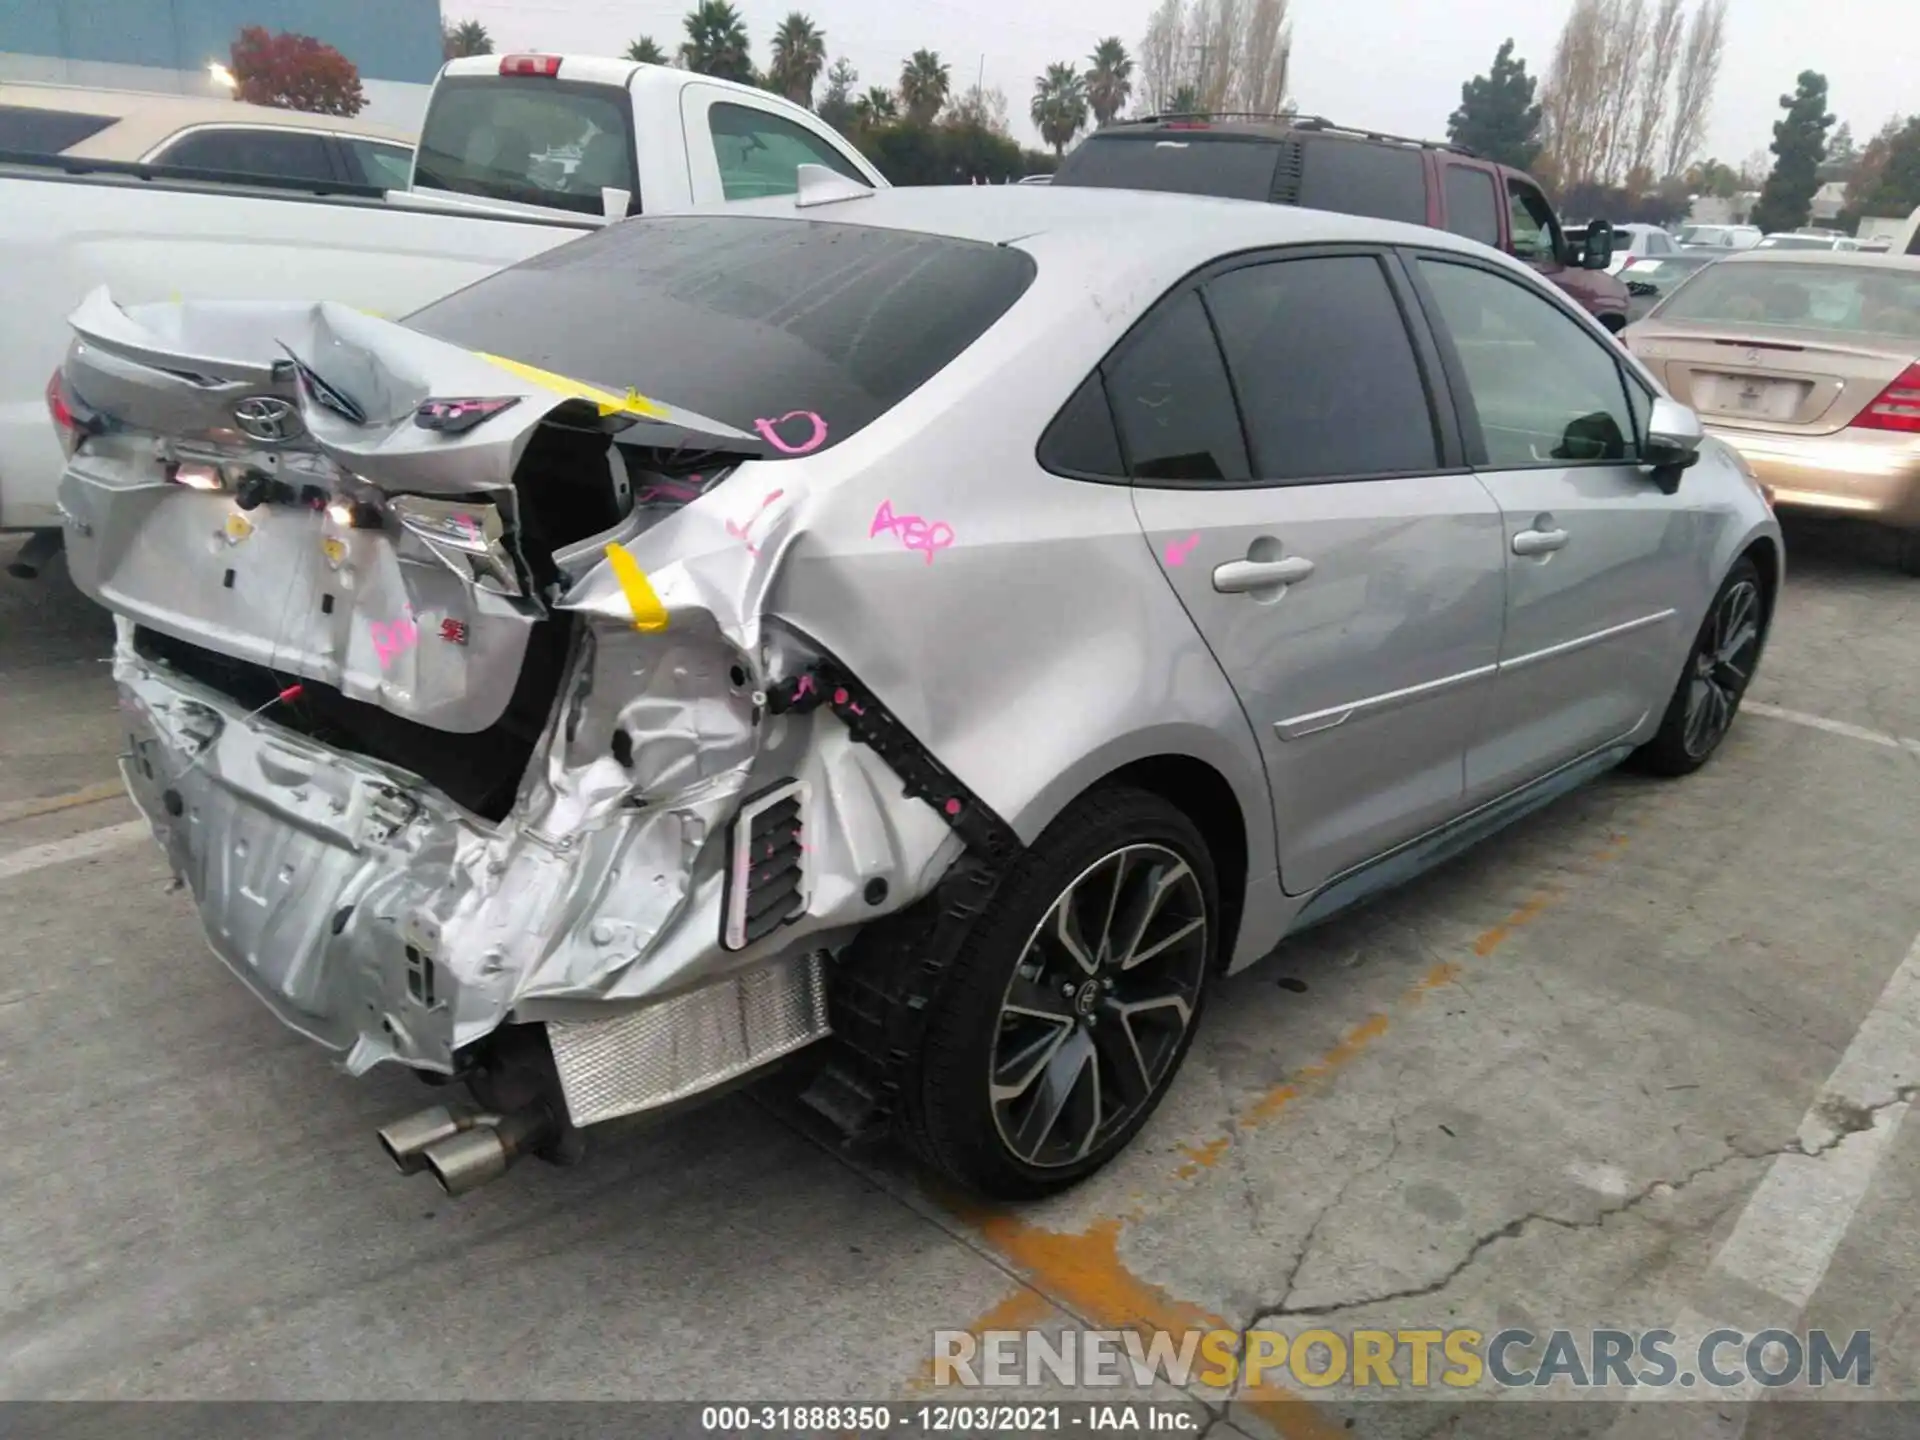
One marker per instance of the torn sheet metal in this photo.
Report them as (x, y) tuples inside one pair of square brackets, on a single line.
[(669, 828)]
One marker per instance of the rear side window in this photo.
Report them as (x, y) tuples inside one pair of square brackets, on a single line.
[(797, 329), (285, 153), (1324, 369), (1187, 162), (760, 153), (1472, 207), (1172, 402), (1082, 440), (1355, 177), (46, 132), (529, 140)]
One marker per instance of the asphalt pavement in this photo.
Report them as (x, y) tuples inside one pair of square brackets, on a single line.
[(1639, 1062)]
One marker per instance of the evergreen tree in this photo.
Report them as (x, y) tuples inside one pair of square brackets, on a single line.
[(1893, 188), (1799, 147), (1497, 117)]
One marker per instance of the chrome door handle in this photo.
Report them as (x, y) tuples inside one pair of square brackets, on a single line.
[(1237, 577), (1538, 542)]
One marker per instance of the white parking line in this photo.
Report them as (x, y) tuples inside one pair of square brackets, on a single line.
[(1832, 727), (83, 846), (1773, 1262)]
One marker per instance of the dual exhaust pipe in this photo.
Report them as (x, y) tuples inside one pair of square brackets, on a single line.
[(463, 1149)]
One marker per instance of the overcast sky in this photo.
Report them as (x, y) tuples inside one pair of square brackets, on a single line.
[(1869, 50)]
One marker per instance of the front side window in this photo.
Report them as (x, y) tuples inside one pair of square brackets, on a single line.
[(378, 163), (1359, 177), (760, 153), (1324, 369), (529, 140), (1545, 391), (1531, 219), (1172, 401), (1471, 207), (283, 153)]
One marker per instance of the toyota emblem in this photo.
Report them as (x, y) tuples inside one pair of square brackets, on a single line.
[(267, 417)]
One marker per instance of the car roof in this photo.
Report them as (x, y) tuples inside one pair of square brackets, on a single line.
[(1865, 259), (1157, 223), (144, 119)]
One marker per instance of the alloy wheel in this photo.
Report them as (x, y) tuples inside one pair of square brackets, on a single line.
[(1103, 995), (1723, 663)]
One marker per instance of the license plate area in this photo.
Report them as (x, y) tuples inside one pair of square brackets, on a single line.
[(1750, 397)]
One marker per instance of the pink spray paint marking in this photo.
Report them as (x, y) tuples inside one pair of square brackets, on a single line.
[(1178, 550), (772, 436), (805, 687), (673, 490), (469, 529), (391, 641), (911, 530), (742, 533)]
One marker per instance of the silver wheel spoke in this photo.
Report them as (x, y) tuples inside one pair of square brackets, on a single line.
[(1058, 1077), (1103, 947), (1156, 897), (1067, 932), (1165, 943), (1120, 1047), (1034, 1059)]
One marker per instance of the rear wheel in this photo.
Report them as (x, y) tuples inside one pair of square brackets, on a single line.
[(1718, 670), (1907, 550), (1070, 1007)]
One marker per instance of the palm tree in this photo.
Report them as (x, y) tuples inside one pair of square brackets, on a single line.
[(1109, 79), (876, 107), (716, 42), (647, 51), (799, 55), (923, 86), (1185, 101), (469, 37), (1059, 106)]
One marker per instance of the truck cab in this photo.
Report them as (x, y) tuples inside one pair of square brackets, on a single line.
[(588, 135)]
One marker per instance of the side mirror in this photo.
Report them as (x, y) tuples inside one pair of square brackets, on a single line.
[(1673, 441), (1598, 253)]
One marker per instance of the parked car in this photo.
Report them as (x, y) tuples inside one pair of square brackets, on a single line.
[(1649, 279), (1305, 160), (1808, 363), (656, 139), (1633, 242), (918, 620), (198, 133), (1719, 237), (1801, 240)]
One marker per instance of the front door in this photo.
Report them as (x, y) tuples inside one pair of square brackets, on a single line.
[(1348, 581), (1595, 553)]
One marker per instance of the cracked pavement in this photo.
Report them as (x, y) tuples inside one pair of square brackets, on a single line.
[(1537, 1090)]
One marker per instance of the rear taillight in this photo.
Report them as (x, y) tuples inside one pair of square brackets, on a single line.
[(1895, 408), (68, 424), (1188, 125), (547, 65)]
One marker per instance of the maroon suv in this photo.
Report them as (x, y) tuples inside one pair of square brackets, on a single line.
[(1304, 160)]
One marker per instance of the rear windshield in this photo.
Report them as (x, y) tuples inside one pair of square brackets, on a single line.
[(527, 139), (1233, 167), (1795, 242), (1846, 298), (47, 132), (816, 329)]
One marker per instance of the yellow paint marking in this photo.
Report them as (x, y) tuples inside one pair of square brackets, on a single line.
[(91, 795), (632, 403), (1203, 1157), (648, 612)]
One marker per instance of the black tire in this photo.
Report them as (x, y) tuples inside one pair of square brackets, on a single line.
[(952, 1112), (1906, 553), (1719, 668)]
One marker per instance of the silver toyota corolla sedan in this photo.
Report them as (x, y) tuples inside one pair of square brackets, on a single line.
[(956, 625)]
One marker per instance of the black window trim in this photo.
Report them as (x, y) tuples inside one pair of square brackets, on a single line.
[(1436, 380), (1465, 415)]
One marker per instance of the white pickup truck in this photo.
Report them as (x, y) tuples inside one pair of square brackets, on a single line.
[(517, 154)]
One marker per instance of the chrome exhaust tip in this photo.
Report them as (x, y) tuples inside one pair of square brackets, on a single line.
[(406, 1141), (465, 1161)]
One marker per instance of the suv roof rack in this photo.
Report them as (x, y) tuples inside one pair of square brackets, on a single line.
[(1318, 124)]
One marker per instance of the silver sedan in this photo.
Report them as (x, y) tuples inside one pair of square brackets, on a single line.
[(954, 626)]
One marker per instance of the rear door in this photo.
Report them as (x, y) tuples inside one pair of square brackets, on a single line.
[(1595, 554), (1473, 201), (1303, 496)]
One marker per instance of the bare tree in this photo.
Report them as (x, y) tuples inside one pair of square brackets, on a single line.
[(1226, 54), (1164, 62), (1693, 90), (1623, 92)]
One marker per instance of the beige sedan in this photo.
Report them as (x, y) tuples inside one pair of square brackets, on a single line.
[(1808, 364)]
